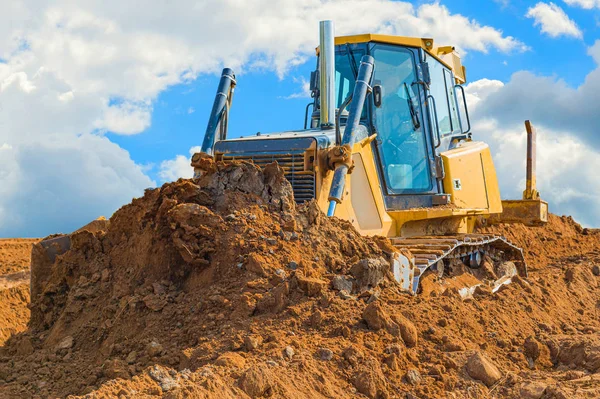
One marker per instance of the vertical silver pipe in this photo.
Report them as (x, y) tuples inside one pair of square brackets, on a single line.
[(327, 74)]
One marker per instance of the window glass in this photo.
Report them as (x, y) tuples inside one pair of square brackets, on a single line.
[(403, 148), (452, 101), (438, 90)]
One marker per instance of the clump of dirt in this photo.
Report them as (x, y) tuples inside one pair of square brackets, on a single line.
[(14, 313), (223, 288)]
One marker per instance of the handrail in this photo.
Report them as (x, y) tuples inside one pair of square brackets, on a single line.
[(462, 89), (437, 126)]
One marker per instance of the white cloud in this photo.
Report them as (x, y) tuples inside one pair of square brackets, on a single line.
[(304, 89), (69, 71), (587, 4), (553, 20), (173, 169), (566, 165)]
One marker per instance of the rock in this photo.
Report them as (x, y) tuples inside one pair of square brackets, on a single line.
[(293, 265), (342, 283), (479, 367), (252, 342), (452, 345), (154, 349), (408, 331), (370, 272), (257, 264), (163, 378), (289, 352), (115, 368), (596, 270), (532, 390), (536, 351), (131, 357), (413, 377), (154, 302), (271, 241), (375, 316), (257, 381), (65, 343), (231, 359), (371, 382), (24, 347), (311, 286), (325, 354)]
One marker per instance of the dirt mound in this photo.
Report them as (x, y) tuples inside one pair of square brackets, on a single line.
[(559, 238), (15, 254), (223, 288)]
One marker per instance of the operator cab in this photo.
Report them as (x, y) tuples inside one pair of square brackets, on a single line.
[(415, 112)]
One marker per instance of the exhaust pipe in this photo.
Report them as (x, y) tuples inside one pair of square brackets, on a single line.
[(327, 74)]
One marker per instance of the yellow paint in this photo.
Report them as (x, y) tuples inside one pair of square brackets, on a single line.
[(470, 177), (472, 163)]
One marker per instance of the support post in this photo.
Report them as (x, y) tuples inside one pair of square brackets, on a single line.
[(530, 192)]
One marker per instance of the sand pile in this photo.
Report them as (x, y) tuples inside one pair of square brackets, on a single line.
[(15, 254), (223, 288)]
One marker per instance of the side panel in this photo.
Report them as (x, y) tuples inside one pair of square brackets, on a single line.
[(470, 177), (363, 200)]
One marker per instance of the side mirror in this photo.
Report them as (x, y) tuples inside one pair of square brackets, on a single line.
[(377, 95)]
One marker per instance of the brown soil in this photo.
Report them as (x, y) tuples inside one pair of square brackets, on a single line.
[(224, 289)]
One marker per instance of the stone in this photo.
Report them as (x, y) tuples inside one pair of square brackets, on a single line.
[(289, 352), (131, 357), (292, 265), (532, 390), (370, 382), (325, 354), (231, 359), (311, 286), (370, 272), (408, 331), (154, 349), (342, 283), (480, 368), (257, 382), (413, 377), (375, 317), (596, 270), (252, 342), (24, 347), (163, 378), (65, 343)]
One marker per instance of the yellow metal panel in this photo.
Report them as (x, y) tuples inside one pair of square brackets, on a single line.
[(424, 43), (452, 60), (471, 177)]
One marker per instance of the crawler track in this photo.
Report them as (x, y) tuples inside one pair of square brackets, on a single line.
[(436, 251)]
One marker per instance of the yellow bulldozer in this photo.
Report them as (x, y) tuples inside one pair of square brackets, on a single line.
[(387, 145)]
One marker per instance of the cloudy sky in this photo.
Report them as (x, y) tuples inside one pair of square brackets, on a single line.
[(102, 99)]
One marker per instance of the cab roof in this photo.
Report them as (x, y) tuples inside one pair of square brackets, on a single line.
[(445, 54)]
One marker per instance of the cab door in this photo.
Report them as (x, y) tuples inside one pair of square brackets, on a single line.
[(404, 144)]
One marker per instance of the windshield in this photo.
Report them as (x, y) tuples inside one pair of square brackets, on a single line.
[(345, 78)]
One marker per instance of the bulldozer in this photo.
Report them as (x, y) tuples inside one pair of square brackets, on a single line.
[(387, 145)]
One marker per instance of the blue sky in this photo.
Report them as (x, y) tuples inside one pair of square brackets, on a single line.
[(99, 101)]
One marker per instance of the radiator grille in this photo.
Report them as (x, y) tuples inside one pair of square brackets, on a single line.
[(303, 182)]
